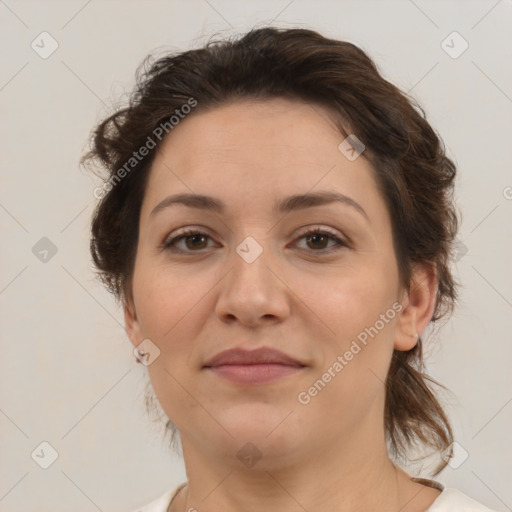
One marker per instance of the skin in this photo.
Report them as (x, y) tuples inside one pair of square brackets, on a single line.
[(330, 454)]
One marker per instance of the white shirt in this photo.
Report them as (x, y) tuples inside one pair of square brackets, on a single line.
[(450, 500)]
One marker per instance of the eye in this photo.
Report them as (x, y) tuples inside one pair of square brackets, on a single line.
[(195, 240), (318, 237)]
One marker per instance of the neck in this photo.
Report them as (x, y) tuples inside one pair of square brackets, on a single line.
[(346, 479)]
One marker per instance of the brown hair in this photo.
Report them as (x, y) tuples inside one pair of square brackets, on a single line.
[(414, 175)]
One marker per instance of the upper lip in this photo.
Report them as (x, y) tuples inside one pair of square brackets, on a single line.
[(263, 355)]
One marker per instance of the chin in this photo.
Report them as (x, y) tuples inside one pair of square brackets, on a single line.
[(264, 425)]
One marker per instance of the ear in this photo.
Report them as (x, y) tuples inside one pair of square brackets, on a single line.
[(131, 323), (418, 305)]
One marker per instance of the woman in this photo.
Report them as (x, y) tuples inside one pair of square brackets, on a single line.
[(277, 220)]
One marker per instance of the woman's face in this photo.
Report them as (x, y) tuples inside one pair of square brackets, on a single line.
[(254, 278)]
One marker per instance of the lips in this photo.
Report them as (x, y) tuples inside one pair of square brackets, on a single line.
[(260, 356), (258, 367)]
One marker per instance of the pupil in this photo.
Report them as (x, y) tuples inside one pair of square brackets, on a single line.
[(316, 237), (195, 237)]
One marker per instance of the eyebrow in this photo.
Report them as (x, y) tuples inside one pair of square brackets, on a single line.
[(285, 205)]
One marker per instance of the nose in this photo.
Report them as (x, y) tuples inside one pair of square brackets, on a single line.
[(253, 292)]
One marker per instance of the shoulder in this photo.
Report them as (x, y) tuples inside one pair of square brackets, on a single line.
[(453, 500), (450, 499), (160, 504)]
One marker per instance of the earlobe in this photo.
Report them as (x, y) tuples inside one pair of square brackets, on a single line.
[(418, 307)]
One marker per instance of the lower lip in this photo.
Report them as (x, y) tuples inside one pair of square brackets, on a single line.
[(254, 373)]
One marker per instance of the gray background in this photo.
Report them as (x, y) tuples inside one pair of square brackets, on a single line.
[(68, 376)]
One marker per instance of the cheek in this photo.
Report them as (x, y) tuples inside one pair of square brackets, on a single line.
[(164, 297), (168, 304), (356, 317), (172, 306), (349, 381), (348, 300)]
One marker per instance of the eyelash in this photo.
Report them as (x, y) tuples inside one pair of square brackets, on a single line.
[(169, 245)]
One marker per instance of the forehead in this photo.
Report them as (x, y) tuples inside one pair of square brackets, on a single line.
[(247, 152), (290, 131)]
